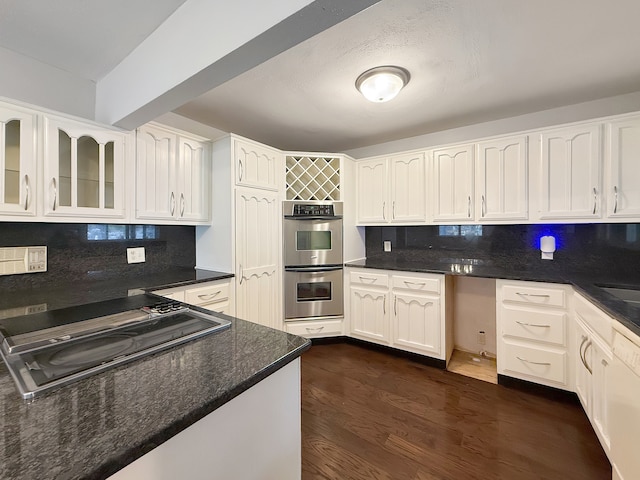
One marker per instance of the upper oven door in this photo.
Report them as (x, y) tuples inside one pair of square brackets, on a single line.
[(312, 241)]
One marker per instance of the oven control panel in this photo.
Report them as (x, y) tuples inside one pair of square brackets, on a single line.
[(313, 210), (299, 208)]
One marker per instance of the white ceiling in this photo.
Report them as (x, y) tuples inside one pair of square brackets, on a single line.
[(470, 61)]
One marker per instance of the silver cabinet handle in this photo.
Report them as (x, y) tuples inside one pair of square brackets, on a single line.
[(241, 276), (209, 296), (54, 183), (384, 305), (182, 204), (384, 216), (393, 210), (407, 283), (28, 192), (484, 211), (533, 363), (469, 206), (604, 363), (585, 357), (314, 330), (172, 203), (365, 279), (615, 196), (532, 324), (395, 305), (532, 295), (240, 170), (595, 200)]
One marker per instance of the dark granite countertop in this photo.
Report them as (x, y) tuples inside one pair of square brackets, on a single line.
[(94, 427), (92, 287), (587, 283)]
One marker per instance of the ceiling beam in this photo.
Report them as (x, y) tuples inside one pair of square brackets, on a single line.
[(204, 44)]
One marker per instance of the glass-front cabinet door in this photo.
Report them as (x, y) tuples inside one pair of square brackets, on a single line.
[(83, 170), (17, 162)]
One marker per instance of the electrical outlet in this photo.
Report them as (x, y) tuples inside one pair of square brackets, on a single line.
[(482, 338), (135, 255), (387, 245)]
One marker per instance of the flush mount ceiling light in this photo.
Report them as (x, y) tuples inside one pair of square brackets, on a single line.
[(381, 84)]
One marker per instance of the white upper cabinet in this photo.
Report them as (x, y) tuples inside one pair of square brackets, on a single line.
[(83, 170), (570, 186), (392, 190), (172, 176), (502, 179), (372, 184), (257, 166), (623, 185), (453, 184), (408, 188), (17, 162)]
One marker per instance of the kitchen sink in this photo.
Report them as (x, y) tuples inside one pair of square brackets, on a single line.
[(628, 295)]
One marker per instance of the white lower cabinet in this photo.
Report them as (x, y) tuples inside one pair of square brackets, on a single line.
[(533, 334), (593, 358), (316, 328), (216, 295), (402, 311)]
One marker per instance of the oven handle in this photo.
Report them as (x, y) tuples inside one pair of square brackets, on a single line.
[(313, 269), (302, 217)]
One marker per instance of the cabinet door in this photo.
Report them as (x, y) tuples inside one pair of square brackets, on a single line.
[(83, 170), (369, 312), (582, 363), (570, 175), (193, 180), (623, 190), (416, 322), (17, 162), (453, 184), (601, 357), (502, 175), (258, 288), (155, 173), (408, 188), (257, 166), (372, 191)]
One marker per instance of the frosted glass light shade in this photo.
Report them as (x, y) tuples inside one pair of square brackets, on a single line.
[(381, 84)]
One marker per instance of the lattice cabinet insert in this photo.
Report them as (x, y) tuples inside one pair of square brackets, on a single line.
[(313, 178)]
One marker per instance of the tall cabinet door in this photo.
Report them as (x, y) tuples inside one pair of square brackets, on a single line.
[(257, 251), (17, 162), (570, 173), (502, 176), (623, 189), (194, 165), (408, 191), (372, 191), (155, 173), (369, 309), (453, 184), (83, 170)]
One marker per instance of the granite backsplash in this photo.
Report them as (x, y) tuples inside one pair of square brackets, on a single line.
[(580, 247), (97, 251)]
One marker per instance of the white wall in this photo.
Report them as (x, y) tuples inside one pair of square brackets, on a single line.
[(572, 113), (474, 310), (33, 82)]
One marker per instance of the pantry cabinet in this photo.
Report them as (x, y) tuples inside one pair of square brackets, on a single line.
[(84, 174), (502, 179), (623, 185), (392, 190), (453, 183), (570, 175), (17, 161), (172, 176)]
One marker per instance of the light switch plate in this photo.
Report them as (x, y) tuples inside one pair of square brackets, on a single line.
[(135, 255), (387, 245)]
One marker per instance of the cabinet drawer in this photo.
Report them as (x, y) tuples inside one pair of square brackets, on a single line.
[(171, 293), (422, 284), (528, 295), (599, 321), (323, 328), (369, 278), (546, 365), (529, 324), (207, 294), (218, 307)]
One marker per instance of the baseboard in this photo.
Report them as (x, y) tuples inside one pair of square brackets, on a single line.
[(545, 391)]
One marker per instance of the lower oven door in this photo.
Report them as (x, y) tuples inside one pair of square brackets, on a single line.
[(313, 292)]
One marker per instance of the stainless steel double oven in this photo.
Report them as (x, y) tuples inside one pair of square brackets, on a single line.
[(312, 259)]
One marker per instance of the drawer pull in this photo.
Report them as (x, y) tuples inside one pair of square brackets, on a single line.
[(414, 283), (209, 296), (524, 324), (546, 364), (314, 330), (367, 279), (538, 295)]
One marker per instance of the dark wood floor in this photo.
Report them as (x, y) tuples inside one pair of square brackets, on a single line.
[(371, 415)]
